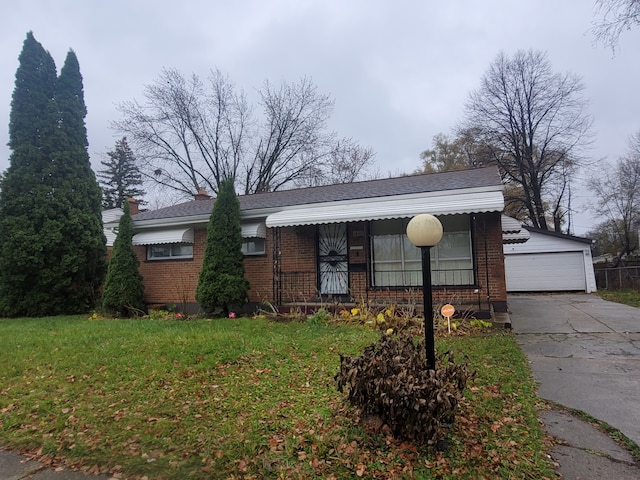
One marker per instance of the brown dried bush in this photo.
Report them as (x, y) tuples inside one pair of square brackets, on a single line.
[(390, 380)]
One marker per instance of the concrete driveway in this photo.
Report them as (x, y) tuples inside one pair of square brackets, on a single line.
[(585, 354)]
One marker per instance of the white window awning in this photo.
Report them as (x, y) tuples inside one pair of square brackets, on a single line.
[(446, 203), (156, 237), (521, 237), (510, 225), (254, 230), (513, 231)]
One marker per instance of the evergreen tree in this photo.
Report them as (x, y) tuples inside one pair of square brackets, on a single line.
[(31, 120), (24, 204), (84, 246), (123, 287), (52, 246), (121, 178), (221, 283)]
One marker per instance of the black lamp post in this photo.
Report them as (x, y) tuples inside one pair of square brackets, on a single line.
[(425, 231)]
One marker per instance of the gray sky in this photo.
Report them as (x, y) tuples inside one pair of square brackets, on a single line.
[(399, 71)]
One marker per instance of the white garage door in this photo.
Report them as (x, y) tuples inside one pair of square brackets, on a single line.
[(540, 272)]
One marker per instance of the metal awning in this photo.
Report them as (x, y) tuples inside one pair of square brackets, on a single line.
[(176, 235), (521, 237), (254, 230), (513, 231), (445, 203), (510, 225)]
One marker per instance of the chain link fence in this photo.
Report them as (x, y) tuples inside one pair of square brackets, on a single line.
[(619, 278)]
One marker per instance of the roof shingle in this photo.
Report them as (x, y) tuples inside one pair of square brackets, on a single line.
[(424, 183)]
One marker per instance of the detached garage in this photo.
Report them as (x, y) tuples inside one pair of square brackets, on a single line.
[(548, 262)]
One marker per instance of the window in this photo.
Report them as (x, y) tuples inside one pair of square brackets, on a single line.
[(398, 263), (169, 251), (253, 246)]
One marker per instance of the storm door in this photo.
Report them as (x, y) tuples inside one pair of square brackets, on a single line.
[(332, 259)]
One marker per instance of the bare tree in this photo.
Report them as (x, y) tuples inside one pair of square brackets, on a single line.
[(188, 135), (618, 194), (616, 16), (534, 124), (293, 137), (185, 135), (346, 162)]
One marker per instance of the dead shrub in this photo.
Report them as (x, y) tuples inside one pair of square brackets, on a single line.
[(390, 380)]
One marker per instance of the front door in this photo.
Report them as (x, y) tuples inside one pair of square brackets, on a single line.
[(332, 259)]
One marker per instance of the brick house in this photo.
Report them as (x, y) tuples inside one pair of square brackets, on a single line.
[(340, 243)]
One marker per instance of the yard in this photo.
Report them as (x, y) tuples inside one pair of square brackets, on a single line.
[(244, 398), (626, 296)]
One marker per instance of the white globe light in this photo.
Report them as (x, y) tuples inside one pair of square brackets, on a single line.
[(424, 230)]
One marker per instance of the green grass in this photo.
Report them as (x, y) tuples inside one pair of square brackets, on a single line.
[(627, 297), (243, 398)]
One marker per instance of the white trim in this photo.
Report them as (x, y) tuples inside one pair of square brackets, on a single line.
[(177, 235), (403, 206)]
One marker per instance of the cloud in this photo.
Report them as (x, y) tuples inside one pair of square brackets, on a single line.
[(400, 72)]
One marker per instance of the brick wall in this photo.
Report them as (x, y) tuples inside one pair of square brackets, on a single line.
[(258, 269), (172, 282), (292, 252)]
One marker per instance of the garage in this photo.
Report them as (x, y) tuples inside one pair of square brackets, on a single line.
[(535, 272), (548, 262)]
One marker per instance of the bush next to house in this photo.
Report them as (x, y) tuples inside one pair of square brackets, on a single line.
[(123, 287), (52, 246), (390, 382), (221, 283)]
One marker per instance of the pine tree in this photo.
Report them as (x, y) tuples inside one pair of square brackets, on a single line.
[(84, 245), (123, 287), (221, 283), (52, 245), (121, 178), (24, 203)]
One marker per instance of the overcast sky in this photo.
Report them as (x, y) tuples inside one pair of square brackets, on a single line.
[(399, 71)]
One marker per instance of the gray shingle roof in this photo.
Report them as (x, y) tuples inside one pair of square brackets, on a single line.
[(434, 182)]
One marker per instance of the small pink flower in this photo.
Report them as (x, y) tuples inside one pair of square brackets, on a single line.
[(179, 315), (232, 314)]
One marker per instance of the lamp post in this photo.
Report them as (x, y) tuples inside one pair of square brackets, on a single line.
[(425, 231)]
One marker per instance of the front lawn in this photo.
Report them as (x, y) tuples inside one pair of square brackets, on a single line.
[(243, 398)]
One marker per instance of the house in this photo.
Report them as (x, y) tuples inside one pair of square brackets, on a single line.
[(546, 261), (340, 243), (110, 219)]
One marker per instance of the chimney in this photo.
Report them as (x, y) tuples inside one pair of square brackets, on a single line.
[(201, 195), (133, 205)]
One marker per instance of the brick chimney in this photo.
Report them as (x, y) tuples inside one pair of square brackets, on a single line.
[(133, 205), (201, 195)]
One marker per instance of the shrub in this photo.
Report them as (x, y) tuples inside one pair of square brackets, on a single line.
[(320, 317), (221, 283), (123, 293), (390, 381)]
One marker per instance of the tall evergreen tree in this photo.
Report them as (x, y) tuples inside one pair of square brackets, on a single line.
[(84, 247), (24, 206), (123, 287), (121, 178), (52, 246), (221, 283)]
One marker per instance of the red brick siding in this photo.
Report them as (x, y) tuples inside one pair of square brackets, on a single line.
[(172, 281), (258, 269), (175, 281)]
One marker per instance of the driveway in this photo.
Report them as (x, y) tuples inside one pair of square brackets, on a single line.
[(584, 353)]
